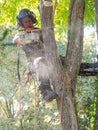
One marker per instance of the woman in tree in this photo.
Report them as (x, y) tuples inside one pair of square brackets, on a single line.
[(30, 39)]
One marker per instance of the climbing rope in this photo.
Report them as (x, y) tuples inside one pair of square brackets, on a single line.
[(20, 90), (35, 102), (20, 95)]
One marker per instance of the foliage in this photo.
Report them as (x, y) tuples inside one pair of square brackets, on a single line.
[(89, 9), (60, 17), (89, 48), (86, 86), (12, 7), (86, 102)]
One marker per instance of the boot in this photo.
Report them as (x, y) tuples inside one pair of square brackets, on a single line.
[(46, 91)]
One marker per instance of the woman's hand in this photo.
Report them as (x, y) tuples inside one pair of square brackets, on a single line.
[(16, 40)]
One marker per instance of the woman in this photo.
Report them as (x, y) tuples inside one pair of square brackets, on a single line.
[(30, 39)]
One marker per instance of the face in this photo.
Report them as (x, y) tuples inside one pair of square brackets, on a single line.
[(27, 22)]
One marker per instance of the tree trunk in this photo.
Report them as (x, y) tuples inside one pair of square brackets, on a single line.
[(51, 55), (73, 61), (64, 78)]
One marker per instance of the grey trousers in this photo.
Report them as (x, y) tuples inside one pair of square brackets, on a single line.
[(39, 67)]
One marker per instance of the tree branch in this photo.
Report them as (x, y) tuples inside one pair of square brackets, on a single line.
[(86, 69)]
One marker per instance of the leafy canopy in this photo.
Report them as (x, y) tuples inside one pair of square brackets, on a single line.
[(10, 8)]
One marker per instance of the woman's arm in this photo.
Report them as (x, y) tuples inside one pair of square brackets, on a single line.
[(16, 40)]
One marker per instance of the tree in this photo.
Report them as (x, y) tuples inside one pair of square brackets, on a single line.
[(64, 78)]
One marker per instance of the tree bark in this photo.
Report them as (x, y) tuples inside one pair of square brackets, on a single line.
[(51, 55), (86, 69), (64, 77), (73, 61)]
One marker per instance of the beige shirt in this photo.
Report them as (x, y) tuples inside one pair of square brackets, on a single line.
[(31, 42)]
